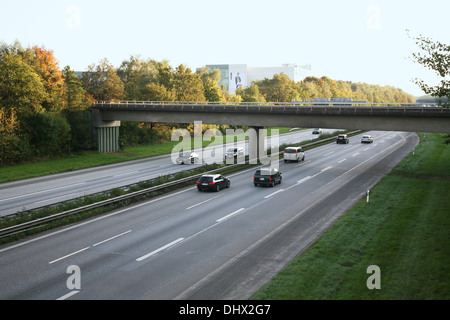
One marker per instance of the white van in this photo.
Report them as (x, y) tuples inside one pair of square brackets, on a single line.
[(293, 154)]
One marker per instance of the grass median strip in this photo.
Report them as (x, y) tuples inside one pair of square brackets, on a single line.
[(404, 230)]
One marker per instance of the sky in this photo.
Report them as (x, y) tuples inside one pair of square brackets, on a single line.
[(350, 40)]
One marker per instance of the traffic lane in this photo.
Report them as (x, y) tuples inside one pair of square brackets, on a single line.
[(162, 285), (170, 209), (76, 249), (206, 245), (192, 201), (209, 251), (48, 193), (33, 193), (89, 239), (241, 279), (206, 197), (344, 152), (68, 246)]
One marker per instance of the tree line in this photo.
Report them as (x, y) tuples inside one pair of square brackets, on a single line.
[(44, 111)]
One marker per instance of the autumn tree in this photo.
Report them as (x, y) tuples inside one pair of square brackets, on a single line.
[(32, 97), (157, 92), (76, 103), (137, 73), (74, 96), (46, 66), (278, 89), (187, 85), (212, 91), (211, 79), (250, 94), (21, 89), (206, 74), (102, 82)]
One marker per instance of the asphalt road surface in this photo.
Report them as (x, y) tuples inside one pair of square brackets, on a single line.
[(38, 192), (201, 245)]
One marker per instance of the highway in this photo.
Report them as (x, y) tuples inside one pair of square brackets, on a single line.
[(202, 245), (38, 192)]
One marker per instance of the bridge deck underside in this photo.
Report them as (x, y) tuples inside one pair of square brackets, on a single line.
[(326, 118)]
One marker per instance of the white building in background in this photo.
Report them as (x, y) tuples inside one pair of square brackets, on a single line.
[(234, 76)]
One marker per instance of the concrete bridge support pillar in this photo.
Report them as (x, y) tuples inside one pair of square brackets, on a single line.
[(108, 139), (107, 133), (256, 150)]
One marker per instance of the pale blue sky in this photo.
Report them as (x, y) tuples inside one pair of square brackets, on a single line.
[(353, 40)]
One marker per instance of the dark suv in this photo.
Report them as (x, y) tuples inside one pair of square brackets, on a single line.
[(342, 138), (212, 182), (267, 177)]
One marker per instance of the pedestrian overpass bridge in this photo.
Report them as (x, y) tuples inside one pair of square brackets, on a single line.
[(352, 115)]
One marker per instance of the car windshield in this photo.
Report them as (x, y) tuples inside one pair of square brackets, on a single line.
[(205, 179), (291, 150)]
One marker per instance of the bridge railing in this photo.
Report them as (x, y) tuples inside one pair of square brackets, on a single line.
[(273, 106), (294, 103)]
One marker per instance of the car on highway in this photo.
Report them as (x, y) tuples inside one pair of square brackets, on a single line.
[(234, 153), (213, 182), (317, 131), (342, 138), (293, 154), (366, 139), (267, 177), (187, 157)]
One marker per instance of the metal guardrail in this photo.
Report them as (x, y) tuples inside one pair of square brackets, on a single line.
[(41, 221), (8, 231)]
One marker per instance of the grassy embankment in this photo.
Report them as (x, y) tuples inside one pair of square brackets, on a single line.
[(404, 230)]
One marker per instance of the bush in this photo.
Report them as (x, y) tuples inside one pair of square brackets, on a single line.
[(49, 133)]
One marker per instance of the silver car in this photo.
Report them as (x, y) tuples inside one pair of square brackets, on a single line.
[(233, 153), (293, 154), (366, 139), (187, 157)]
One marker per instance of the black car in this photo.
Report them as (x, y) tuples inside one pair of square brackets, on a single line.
[(212, 182), (267, 177), (342, 138)]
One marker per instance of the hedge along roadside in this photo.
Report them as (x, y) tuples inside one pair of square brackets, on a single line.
[(19, 230)]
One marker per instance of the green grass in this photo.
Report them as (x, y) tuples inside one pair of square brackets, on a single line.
[(58, 165), (405, 230)]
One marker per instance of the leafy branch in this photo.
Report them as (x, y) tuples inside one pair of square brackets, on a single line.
[(436, 57)]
